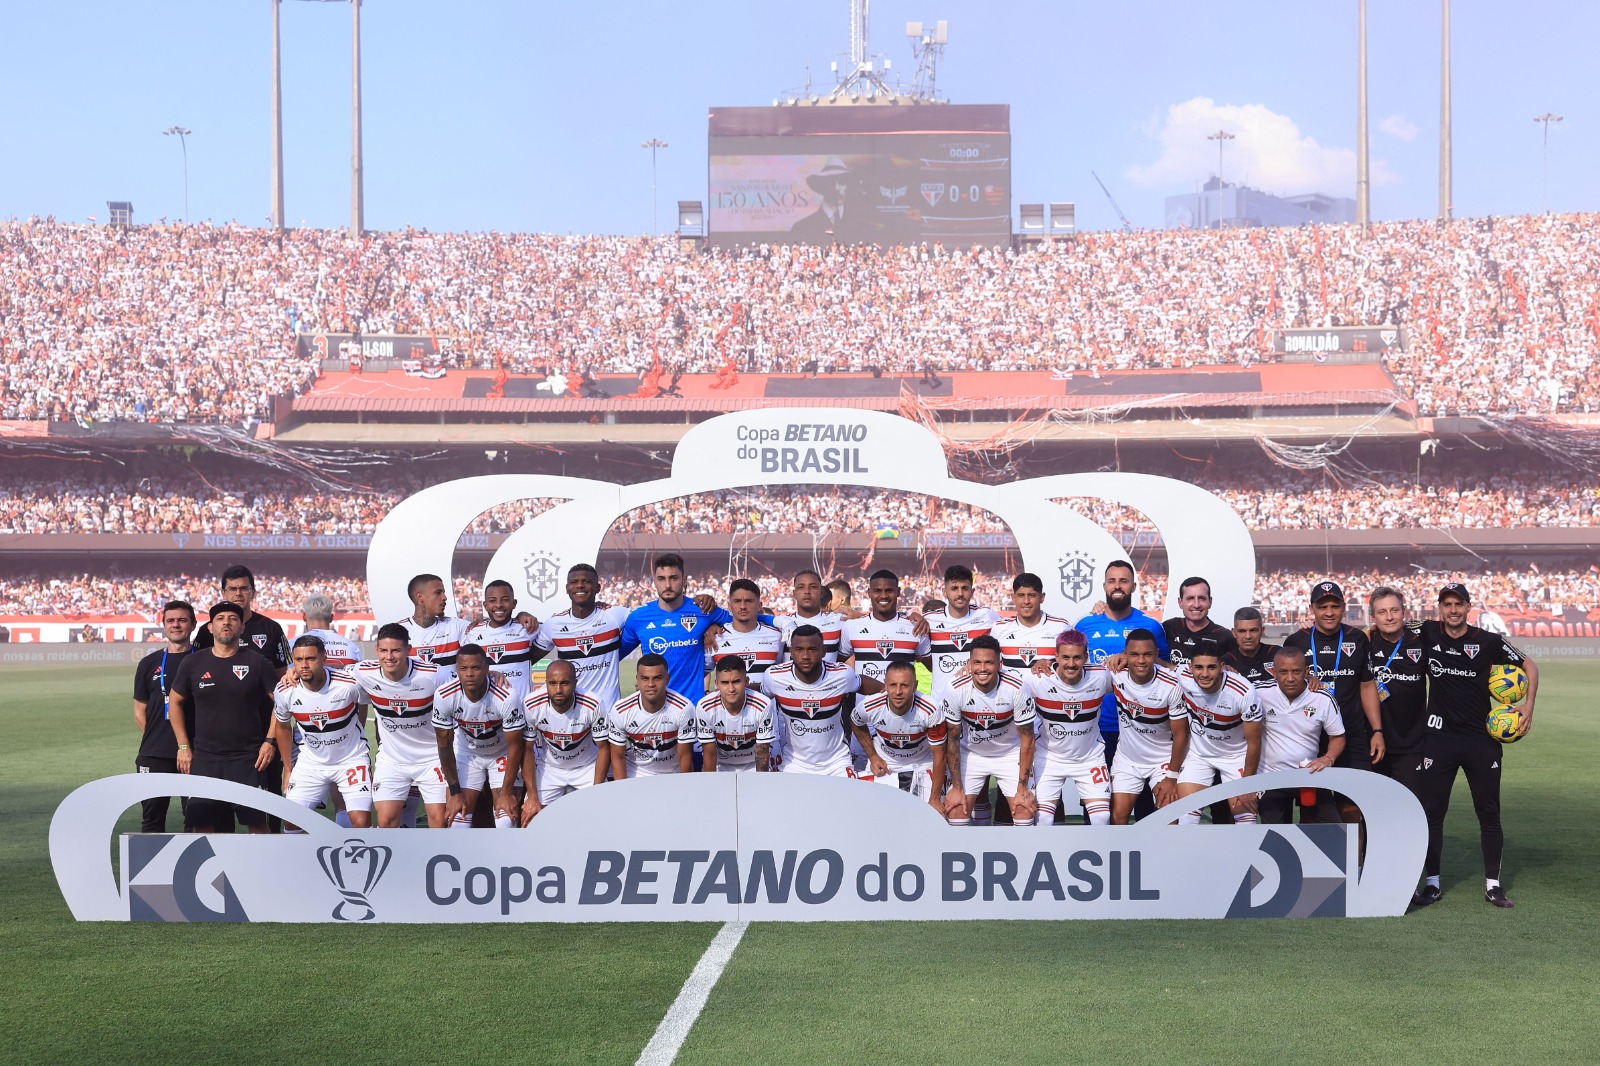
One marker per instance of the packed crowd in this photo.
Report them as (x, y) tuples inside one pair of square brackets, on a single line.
[(1281, 595), (1265, 498), (198, 323)]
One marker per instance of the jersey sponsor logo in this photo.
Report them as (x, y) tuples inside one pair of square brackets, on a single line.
[(1471, 650), (661, 645), (242, 671)]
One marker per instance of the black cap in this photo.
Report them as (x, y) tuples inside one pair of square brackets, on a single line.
[(228, 607), (1326, 590), (1456, 589)]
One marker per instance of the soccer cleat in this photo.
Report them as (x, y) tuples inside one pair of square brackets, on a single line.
[(1497, 896), (1428, 894)]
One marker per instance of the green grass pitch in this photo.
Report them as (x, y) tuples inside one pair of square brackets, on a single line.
[(1460, 982)]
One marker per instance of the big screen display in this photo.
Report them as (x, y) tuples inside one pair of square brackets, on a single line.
[(874, 174)]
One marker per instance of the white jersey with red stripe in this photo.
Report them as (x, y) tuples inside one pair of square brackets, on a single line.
[(903, 741), (570, 737), (592, 645), (987, 722), (1216, 718), (831, 623), (950, 641), (649, 739), (437, 643), (872, 643), (1069, 715), (331, 732), (511, 652), (761, 649), (736, 733), (404, 708), (1021, 646), (1145, 714), (812, 713), (339, 650), (480, 724)]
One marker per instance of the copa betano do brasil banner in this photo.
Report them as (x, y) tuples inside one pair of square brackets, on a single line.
[(738, 847)]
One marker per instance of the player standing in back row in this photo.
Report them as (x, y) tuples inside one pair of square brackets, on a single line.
[(952, 630), (1460, 657), (674, 628), (589, 637), (435, 637), (1031, 635)]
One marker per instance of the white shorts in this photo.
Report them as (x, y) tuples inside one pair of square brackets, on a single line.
[(557, 779), (918, 780), (395, 779), (1089, 780), (1202, 771), (1129, 779), (840, 767), (975, 770), (475, 769), (310, 781), (726, 767)]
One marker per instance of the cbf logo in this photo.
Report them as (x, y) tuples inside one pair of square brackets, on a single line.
[(1076, 571), (541, 574), (354, 868)]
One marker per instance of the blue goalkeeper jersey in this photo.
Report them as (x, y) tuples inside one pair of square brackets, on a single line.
[(1108, 636), (677, 636)]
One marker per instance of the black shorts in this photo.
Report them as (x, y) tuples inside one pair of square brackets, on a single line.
[(1357, 753), (212, 813), (1404, 767)]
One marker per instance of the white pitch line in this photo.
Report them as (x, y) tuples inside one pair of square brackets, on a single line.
[(680, 1017)]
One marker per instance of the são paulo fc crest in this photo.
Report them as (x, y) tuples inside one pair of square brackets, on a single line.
[(242, 671), (1027, 655), (259, 640), (959, 640), (319, 720), (1471, 650), (1414, 654), (585, 644), (1076, 571), (541, 573), (687, 621), (425, 654), (885, 648), (811, 707), (1348, 647), (494, 651)]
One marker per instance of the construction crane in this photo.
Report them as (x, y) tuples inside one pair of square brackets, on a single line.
[(1125, 223)]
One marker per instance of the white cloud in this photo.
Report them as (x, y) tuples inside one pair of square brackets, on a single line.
[(1399, 126), (1269, 152)]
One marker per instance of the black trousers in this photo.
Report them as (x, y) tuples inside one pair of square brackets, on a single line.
[(153, 812), (1480, 758)]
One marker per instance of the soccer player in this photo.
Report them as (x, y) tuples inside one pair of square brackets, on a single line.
[(734, 724), (1250, 658), (840, 596), (1155, 730), (812, 698), (1224, 730), (1193, 626), (435, 637), (1399, 668), (401, 689), (152, 683), (484, 710), (1107, 635), (260, 632), (674, 628), (1295, 719), (903, 733), (653, 731), (1030, 636), (809, 611), (1460, 657), (1068, 744), (872, 640), (222, 698), (1340, 659), (324, 704), (759, 645), (339, 651), (570, 726), (992, 717), (952, 631), (590, 638), (511, 649)]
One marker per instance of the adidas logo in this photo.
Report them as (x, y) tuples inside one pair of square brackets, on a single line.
[(1494, 765)]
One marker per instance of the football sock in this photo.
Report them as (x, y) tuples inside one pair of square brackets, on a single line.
[(1490, 882), (1244, 818), (1099, 813), (1433, 880), (502, 821), (461, 821), (1046, 816), (342, 818)]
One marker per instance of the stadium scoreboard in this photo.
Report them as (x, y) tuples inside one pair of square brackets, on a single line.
[(875, 174)]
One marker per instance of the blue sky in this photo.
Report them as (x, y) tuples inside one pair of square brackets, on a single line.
[(494, 114)]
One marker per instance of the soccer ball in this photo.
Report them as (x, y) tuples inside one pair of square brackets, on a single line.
[(1504, 724), (1507, 684)]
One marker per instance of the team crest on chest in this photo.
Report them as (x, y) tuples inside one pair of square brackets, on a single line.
[(1028, 655), (494, 652), (319, 719), (258, 639), (1414, 654), (242, 671), (1471, 650), (425, 654), (885, 647), (585, 644), (1348, 647), (811, 707), (687, 621), (959, 640)]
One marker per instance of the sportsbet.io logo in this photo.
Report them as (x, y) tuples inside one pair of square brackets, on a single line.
[(1076, 571), (541, 574)]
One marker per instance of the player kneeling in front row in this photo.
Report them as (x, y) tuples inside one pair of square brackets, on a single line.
[(735, 725), (1224, 730), (905, 745), (1294, 719), (992, 716), (325, 703), (1069, 746), (485, 711), (652, 731), (571, 730)]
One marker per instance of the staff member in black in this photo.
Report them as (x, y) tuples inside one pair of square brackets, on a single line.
[(1395, 655), (1459, 660), (225, 693), (1194, 626), (152, 680), (263, 634), (1251, 657)]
